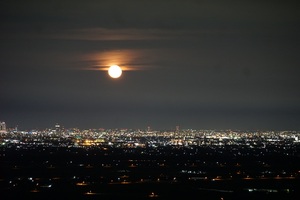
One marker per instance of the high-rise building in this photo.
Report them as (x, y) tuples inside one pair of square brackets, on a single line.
[(57, 128), (2, 127), (177, 128)]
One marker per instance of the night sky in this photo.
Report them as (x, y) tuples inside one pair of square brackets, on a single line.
[(196, 64)]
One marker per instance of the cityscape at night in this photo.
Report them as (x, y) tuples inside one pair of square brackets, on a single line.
[(142, 164), (139, 99)]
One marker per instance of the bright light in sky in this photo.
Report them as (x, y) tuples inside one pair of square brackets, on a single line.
[(115, 71)]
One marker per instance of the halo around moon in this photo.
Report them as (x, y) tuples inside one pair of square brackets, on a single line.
[(114, 71)]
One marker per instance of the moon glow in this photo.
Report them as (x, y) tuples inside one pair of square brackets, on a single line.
[(115, 71)]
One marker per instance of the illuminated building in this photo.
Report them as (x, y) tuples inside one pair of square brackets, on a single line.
[(2, 127)]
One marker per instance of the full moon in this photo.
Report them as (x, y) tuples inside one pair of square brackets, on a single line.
[(115, 71)]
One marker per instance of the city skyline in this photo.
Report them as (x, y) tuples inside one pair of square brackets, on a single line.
[(193, 64), (4, 128)]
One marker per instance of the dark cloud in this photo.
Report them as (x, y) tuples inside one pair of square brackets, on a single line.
[(200, 64)]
